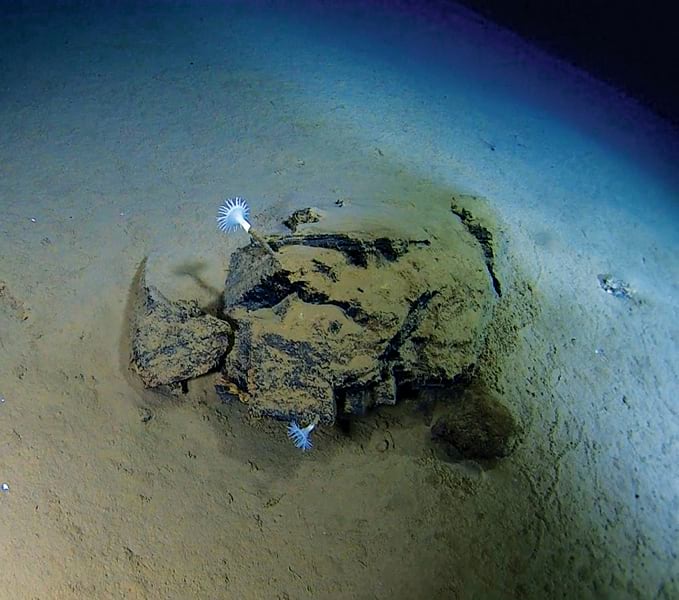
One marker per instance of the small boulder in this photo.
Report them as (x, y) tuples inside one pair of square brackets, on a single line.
[(173, 341), (476, 426), (304, 215)]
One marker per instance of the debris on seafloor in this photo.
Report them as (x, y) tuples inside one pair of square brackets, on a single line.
[(615, 287)]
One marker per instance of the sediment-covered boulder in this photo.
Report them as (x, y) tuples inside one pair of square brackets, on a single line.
[(336, 323), (476, 425), (172, 342)]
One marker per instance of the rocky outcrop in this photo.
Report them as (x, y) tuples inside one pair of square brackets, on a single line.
[(333, 323), (337, 323), (172, 342)]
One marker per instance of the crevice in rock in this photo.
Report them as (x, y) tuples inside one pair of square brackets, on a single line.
[(272, 290), (269, 292), (485, 239), (355, 249), (410, 323)]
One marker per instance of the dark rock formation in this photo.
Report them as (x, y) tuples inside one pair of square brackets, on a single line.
[(173, 341), (336, 322), (304, 215)]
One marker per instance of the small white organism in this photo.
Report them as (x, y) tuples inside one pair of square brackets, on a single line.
[(233, 213), (301, 436)]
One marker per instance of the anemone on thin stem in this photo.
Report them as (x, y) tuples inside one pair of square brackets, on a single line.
[(301, 436), (233, 213)]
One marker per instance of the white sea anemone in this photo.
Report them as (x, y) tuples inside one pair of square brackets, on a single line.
[(233, 213), (301, 436)]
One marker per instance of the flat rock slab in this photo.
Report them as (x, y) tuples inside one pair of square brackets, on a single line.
[(172, 342), (338, 322)]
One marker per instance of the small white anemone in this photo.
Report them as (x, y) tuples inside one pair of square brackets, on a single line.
[(233, 213), (301, 436)]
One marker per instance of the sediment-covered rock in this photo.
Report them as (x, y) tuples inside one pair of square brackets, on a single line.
[(172, 341), (476, 425), (335, 323)]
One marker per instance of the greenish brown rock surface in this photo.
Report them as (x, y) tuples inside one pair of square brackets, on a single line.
[(172, 341), (337, 322)]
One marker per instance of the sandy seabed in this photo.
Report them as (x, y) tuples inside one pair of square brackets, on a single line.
[(121, 133)]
